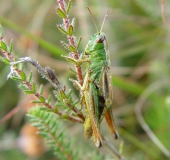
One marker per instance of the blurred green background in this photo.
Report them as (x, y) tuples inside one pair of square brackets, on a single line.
[(139, 41)]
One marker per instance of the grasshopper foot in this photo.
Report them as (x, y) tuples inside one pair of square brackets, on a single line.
[(99, 143), (116, 135)]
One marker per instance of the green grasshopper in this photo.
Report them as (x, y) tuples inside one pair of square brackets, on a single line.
[(97, 92)]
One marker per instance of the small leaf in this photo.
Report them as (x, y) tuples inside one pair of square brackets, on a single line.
[(5, 60), (3, 46), (64, 116), (72, 48), (49, 99), (1, 32), (69, 6), (21, 66), (121, 147), (78, 43), (43, 134), (34, 87), (65, 45), (42, 99), (16, 78), (28, 92), (69, 93), (73, 22), (56, 109), (70, 30), (23, 87), (60, 104), (72, 71), (61, 13), (11, 47), (36, 101), (23, 76), (75, 102), (62, 94), (30, 77), (42, 108), (41, 89), (62, 30), (36, 124)]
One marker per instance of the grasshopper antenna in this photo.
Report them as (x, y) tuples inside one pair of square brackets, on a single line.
[(106, 14), (93, 19)]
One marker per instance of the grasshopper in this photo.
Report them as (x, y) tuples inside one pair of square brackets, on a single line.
[(97, 91)]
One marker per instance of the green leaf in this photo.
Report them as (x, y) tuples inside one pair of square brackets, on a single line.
[(42, 99), (36, 124), (36, 101), (72, 71), (69, 6), (41, 89), (11, 47), (73, 22), (70, 30), (23, 87), (65, 45), (42, 134), (62, 30), (72, 48), (49, 99), (28, 92), (23, 76), (5, 60), (62, 94), (69, 93), (3, 46), (34, 87), (21, 66), (16, 78), (30, 77), (61, 13), (1, 31), (75, 102), (78, 43)]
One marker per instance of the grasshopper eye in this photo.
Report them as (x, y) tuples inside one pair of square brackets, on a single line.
[(101, 39)]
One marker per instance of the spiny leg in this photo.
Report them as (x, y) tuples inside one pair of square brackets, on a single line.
[(88, 131), (110, 122), (76, 62), (107, 91), (91, 101), (85, 83)]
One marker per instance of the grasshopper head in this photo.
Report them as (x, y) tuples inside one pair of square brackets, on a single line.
[(96, 42)]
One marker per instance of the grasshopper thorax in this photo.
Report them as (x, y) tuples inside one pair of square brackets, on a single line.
[(96, 42)]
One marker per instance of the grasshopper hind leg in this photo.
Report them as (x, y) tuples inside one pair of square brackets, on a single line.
[(110, 123)]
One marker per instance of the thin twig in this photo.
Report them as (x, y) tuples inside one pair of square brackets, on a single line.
[(112, 149), (138, 110)]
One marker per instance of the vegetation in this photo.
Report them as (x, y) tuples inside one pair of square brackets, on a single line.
[(138, 36)]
